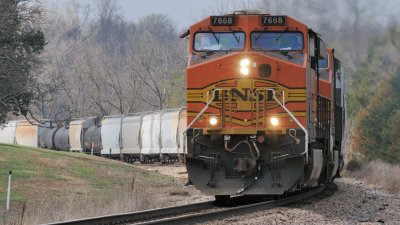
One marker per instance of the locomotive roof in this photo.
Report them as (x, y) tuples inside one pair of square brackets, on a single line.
[(250, 11)]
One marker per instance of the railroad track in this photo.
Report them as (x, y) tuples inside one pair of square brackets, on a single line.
[(194, 213)]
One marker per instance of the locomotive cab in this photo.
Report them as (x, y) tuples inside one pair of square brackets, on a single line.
[(258, 118)]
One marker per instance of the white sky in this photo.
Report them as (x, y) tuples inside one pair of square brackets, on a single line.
[(186, 12), (183, 12)]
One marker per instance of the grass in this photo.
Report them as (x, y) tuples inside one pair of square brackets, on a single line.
[(376, 172), (46, 182)]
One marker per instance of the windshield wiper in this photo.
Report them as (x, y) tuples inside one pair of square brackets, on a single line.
[(279, 37), (285, 53), (260, 34), (208, 53), (213, 33), (236, 37)]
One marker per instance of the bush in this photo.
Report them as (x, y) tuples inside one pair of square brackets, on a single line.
[(353, 165)]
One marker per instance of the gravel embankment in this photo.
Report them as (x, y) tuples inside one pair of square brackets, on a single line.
[(347, 201)]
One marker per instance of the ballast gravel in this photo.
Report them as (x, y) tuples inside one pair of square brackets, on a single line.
[(347, 201)]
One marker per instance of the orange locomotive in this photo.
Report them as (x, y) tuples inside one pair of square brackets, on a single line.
[(262, 106)]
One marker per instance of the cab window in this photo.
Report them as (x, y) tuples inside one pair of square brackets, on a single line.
[(277, 41), (219, 41)]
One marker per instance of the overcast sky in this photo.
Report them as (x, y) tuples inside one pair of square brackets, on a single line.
[(186, 12), (183, 12)]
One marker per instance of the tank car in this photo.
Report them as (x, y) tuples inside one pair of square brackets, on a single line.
[(263, 117), (46, 137), (92, 138), (61, 138)]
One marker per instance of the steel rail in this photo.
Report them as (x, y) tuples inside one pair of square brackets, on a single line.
[(224, 213), (141, 215), (151, 216)]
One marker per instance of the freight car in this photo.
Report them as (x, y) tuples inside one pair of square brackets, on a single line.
[(77, 131), (111, 135), (7, 132), (92, 138), (263, 118), (131, 141), (46, 137), (146, 136), (27, 134)]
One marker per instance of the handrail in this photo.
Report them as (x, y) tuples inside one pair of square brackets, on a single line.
[(294, 118), (274, 96), (202, 111)]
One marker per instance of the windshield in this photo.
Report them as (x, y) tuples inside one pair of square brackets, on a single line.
[(218, 41), (277, 41)]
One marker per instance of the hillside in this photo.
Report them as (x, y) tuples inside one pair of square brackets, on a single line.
[(45, 183)]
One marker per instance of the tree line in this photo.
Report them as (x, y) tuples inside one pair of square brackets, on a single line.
[(107, 65)]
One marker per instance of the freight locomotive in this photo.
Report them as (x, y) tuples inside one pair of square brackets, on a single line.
[(265, 106)]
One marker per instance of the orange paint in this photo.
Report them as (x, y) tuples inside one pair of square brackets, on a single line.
[(224, 72)]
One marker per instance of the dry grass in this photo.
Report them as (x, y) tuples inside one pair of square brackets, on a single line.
[(78, 206), (376, 172), (50, 186)]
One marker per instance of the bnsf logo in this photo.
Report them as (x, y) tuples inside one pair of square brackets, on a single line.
[(243, 94)]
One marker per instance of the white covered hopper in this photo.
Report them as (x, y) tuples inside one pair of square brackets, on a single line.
[(7, 132), (77, 130), (110, 136), (26, 134), (131, 136), (169, 134), (182, 137), (150, 135)]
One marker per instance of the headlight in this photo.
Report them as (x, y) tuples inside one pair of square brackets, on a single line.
[(245, 62), (213, 121), (274, 121), (244, 70)]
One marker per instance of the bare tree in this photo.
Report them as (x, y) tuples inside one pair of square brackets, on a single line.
[(157, 60)]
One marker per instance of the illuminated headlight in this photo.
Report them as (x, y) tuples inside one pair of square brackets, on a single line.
[(244, 70), (274, 121), (244, 63), (213, 121)]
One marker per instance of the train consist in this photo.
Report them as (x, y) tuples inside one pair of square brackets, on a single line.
[(144, 137), (265, 106), (266, 112)]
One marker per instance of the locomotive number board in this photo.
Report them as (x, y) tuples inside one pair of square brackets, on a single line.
[(273, 20), (223, 20)]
